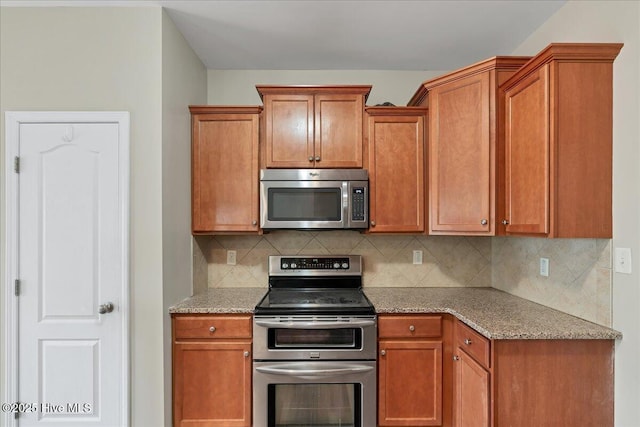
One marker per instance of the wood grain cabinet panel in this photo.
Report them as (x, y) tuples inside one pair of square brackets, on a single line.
[(396, 165), (471, 393), (559, 142), (464, 149), (212, 373), (224, 169), (313, 126)]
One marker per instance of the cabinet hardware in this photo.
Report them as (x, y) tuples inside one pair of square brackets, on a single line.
[(483, 222), (254, 222), (456, 358), (412, 328), (105, 308), (311, 158), (246, 354), (212, 329), (505, 222), (383, 352), (317, 158), (467, 341), (373, 223)]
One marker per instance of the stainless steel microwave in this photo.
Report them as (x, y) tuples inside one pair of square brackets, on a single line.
[(310, 199)]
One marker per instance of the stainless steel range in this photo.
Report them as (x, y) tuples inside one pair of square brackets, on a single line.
[(314, 345)]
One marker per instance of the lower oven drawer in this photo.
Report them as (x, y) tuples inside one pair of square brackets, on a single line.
[(314, 394)]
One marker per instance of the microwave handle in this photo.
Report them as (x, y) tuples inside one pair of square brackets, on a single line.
[(314, 325)]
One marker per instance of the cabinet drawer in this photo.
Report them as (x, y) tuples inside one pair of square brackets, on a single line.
[(212, 327), (409, 326), (473, 343)]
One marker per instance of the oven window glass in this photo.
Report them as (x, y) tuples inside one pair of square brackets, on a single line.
[(315, 338), (304, 204), (314, 405)]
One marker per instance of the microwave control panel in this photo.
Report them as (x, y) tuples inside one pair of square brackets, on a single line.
[(357, 204)]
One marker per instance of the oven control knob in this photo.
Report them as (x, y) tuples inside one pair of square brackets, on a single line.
[(294, 265), (336, 265), (285, 265), (345, 265)]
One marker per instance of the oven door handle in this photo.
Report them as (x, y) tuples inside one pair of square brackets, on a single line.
[(315, 325), (306, 372)]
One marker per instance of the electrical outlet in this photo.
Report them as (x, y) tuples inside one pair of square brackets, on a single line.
[(231, 257), (544, 267), (623, 260), (417, 257)]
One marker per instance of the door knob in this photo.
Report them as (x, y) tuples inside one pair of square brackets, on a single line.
[(105, 308)]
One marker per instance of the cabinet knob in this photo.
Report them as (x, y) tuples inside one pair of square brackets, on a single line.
[(383, 352), (246, 354), (412, 328), (317, 158), (212, 329), (311, 158), (484, 222), (467, 341), (455, 358), (254, 222), (505, 222), (373, 223)]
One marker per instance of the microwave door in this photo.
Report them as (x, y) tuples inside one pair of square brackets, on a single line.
[(302, 205)]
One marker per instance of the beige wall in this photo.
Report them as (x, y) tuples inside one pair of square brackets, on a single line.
[(613, 21), (238, 87), (184, 83)]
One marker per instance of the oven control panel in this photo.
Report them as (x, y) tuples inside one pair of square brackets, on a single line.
[(314, 263), (322, 265)]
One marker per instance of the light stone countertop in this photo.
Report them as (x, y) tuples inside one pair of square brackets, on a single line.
[(493, 313)]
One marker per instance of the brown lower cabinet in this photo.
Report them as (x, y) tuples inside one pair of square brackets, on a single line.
[(212, 369)]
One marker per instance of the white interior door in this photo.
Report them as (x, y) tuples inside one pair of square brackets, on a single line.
[(72, 269)]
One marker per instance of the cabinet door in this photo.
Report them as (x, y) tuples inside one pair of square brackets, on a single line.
[(289, 131), (396, 173), (471, 393), (338, 131), (460, 153), (410, 383), (527, 155), (212, 384), (225, 172)]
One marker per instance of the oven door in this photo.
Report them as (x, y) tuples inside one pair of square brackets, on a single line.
[(314, 338), (314, 394)]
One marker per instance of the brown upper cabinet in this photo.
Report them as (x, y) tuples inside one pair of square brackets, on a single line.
[(313, 126), (465, 137), (396, 164), (224, 169), (558, 150)]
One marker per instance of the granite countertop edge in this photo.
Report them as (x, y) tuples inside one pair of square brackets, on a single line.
[(492, 313)]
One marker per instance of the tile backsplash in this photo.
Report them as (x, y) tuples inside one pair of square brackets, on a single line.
[(580, 274), (388, 259), (579, 282)]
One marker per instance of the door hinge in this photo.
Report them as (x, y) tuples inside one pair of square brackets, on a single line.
[(16, 164), (17, 287)]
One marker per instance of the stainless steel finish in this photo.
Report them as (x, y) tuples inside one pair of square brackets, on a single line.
[(311, 158), (505, 222), (314, 175), (317, 158), (212, 329), (246, 354), (262, 325), (412, 328), (343, 179), (334, 372), (313, 369), (456, 358), (484, 222), (105, 308), (355, 267), (338, 324), (467, 341), (383, 352)]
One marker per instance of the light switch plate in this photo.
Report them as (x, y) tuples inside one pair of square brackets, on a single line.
[(544, 267), (417, 257), (623, 260)]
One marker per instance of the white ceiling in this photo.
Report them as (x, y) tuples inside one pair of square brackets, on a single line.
[(344, 34), (355, 34)]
